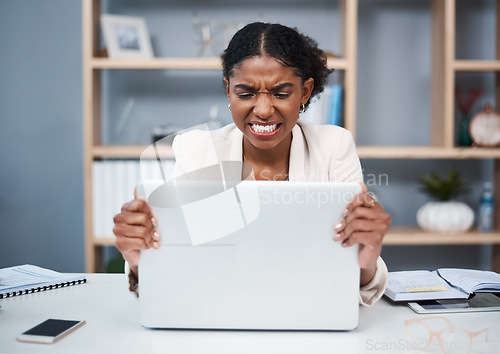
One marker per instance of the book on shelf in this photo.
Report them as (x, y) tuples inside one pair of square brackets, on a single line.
[(113, 183), (327, 107), (27, 278), (335, 111), (444, 283)]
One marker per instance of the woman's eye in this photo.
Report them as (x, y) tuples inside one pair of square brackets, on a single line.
[(245, 95), (281, 95)]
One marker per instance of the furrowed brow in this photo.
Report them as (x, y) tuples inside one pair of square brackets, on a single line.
[(274, 89), (245, 87), (282, 86)]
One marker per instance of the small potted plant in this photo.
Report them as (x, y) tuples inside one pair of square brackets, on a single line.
[(444, 213)]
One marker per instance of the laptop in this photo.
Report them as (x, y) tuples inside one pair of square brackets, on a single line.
[(252, 255)]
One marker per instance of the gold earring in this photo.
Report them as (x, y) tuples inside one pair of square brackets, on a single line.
[(229, 107), (302, 108)]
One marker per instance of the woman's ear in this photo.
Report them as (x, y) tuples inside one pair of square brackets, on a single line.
[(307, 89), (226, 83)]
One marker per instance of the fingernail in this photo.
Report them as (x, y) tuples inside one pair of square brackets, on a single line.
[(156, 245), (336, 237), (154, 222), (339, 227), (345, 212), (156, 236)]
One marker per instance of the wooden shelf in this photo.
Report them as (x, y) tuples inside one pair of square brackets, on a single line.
[(157, 64), (104, 241), (364, 152), (337, 64), (399, 236), (129, 152), (476, 65), (424, 152), (212, 63)]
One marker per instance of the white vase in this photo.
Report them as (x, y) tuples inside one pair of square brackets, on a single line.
[(449, 216)]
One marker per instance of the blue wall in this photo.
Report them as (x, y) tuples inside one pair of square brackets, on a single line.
[(41, 173)]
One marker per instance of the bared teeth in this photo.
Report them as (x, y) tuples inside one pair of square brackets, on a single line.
[(264, 128)]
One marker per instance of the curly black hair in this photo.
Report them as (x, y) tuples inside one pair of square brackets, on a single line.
[(293, 49)]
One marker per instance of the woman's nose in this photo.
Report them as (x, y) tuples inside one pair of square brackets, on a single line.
[(263, 107)]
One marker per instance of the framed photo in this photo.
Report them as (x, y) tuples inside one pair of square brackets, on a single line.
[(126, 37)]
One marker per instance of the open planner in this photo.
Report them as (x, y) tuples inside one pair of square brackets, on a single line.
[(444, 283)]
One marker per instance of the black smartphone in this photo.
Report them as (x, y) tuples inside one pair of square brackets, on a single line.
[(49, 331)]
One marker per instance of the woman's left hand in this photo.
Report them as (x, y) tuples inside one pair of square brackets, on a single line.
[(365, 223)]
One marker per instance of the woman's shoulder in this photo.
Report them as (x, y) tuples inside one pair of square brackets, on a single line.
[(197, 133), (200, 146), (332, 148), (324, 132)]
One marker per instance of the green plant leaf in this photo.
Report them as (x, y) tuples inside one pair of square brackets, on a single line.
[(443, 187)]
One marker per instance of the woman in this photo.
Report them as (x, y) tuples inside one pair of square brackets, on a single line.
[(271, 72)]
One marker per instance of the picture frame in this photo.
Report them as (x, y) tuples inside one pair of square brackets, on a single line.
[(126, 37)]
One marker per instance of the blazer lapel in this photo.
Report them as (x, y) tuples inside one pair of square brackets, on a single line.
[(299, 154), (236, 148)]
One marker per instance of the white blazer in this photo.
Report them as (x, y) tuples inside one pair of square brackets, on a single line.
[(318, 153)]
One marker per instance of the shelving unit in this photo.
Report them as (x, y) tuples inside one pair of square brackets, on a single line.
[(444, 68)]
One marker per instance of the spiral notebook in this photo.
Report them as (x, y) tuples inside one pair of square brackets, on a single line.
[(27, 278)]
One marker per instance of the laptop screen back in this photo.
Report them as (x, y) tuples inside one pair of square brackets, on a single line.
[(258, 255)]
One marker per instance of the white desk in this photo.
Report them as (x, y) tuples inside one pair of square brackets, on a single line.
[(112, 316)]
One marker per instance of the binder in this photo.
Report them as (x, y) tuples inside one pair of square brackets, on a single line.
[(27, 279)]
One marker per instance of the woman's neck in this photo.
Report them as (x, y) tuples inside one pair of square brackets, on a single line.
[(268, 164)]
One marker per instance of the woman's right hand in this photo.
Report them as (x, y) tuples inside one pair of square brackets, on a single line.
[(135, 231)]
